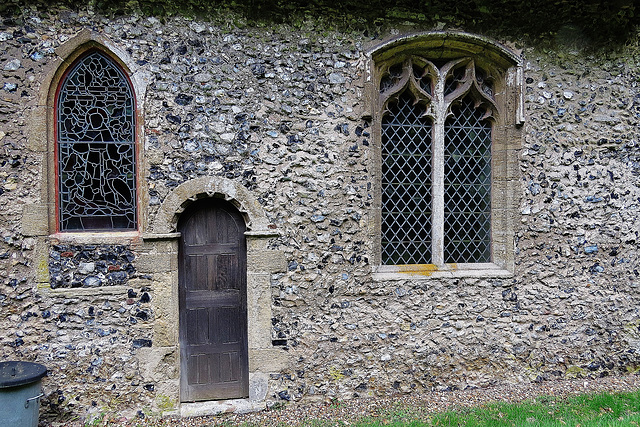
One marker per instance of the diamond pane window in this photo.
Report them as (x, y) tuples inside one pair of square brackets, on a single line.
[(95, 138), (406, 183), (467, 185), (436, 130)]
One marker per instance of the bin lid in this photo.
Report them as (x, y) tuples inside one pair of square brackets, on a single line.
[(14, 373)]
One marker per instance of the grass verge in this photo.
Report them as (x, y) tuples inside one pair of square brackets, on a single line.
[(602, 409)]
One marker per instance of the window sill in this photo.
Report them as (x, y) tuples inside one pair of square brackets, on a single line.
[(96, 238), (432, 271)]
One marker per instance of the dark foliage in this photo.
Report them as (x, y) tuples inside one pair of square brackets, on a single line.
[(594, 22)]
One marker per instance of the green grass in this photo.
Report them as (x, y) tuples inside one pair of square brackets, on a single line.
[(621, 409)]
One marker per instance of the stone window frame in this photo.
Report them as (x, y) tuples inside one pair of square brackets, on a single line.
[(39, 219), (506, 143)]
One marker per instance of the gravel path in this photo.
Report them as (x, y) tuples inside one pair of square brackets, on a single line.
[(348, 411)]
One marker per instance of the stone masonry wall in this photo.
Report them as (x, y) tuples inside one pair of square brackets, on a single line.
[(281, 111), (90, 266)]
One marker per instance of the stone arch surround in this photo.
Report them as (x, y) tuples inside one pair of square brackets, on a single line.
[(186, 193), (159, 259)]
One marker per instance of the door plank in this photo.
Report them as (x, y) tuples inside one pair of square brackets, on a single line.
[(213, 302)]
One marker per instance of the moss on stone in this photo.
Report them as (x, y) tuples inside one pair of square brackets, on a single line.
[(575, 372)]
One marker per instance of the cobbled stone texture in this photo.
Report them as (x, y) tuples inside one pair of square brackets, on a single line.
[(280, 110), (90, 266)]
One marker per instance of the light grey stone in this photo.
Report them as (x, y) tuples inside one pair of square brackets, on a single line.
[(12, 65)]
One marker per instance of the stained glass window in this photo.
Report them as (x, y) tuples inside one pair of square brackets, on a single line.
[(95, 135)]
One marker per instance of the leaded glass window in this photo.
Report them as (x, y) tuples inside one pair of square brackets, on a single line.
[(467, 185), (95, 136), (436, 131), (406, 183)]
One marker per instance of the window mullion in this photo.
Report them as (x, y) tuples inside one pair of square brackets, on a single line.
[(437, 230), (438, 191)]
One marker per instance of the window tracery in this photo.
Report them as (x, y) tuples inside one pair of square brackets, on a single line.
[(436, 132)]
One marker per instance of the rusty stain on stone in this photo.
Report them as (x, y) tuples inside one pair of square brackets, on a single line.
[(421, 269), (425, 269)]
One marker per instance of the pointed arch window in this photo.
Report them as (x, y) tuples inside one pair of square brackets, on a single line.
[(95, 128), (446, 114)]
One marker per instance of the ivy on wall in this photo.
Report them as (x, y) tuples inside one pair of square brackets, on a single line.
[(594, 22)]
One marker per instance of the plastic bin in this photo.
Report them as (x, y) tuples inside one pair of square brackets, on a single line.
[(20, 393)]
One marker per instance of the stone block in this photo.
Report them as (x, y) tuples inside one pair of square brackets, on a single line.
[(258, 386), (165, 332), (156, 263), (155, 157), (35, 220), (37, 129), (268, 360), (505, 165), (512, 197), (160, 246), (137, 283), (217, 407), (165, 296), (162, 223), (256, 244), (159, 363), (41, 260), (259, 310), (502, 220), (513, 138), (47, 86), (267, 261), (168, 396), (513, 164)]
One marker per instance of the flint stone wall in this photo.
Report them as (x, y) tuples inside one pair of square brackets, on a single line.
[(280, 111), (90, 266)]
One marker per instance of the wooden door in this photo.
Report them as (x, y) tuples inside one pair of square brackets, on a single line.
[(213, 303)]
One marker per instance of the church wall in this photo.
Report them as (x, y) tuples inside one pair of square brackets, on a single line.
[(283, 113)]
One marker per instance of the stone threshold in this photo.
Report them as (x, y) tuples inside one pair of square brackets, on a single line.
[(217, 407)]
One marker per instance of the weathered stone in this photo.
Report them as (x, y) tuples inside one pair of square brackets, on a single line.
[(86, 267), (34, 220), (282, 127), (12, 65), (91, 282), (336, 78)]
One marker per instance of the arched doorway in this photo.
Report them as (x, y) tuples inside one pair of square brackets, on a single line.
[(213, 302)]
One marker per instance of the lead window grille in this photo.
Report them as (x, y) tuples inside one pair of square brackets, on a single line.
[(436, 130), (406, 183), (95, 136)]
